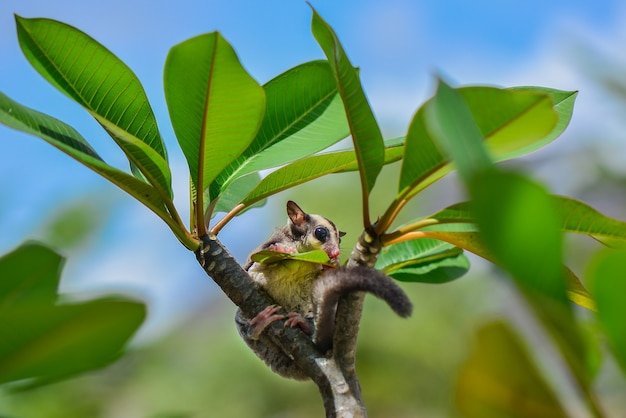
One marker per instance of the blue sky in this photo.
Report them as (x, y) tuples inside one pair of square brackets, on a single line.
[(398, 44)]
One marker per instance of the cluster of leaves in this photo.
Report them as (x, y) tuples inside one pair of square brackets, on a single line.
[(230, 128)]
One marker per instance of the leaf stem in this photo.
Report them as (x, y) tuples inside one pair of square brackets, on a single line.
[(199, 208), (227, 218), (367, 222), (395, 238)]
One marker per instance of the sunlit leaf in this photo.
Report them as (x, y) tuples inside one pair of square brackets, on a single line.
[(43, 342), (304, 115), (215, 106), (450, 121), (313, 167), (500, 380), (95, 78), (608, 285), (366, 135), (513, 122)]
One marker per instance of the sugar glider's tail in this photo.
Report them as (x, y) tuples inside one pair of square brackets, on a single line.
[(336, 282)]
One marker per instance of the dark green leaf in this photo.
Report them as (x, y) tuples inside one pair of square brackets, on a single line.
[(65, 138), (423, 260), (366, 135), (95, 78)]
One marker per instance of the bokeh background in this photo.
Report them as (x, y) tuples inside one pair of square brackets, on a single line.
[(187, 360)]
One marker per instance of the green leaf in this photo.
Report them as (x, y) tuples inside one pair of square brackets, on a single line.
[(465, 236), (521, 229), (66, 139), (563, 104), (581, 218), (239, 189), (44, 342), (95, 78), (269, 257), (423, 260), (576, 217), (215, 106), (22, 281), (313, 167), (304, 115), (500, 380), (513, 122), (366, 135), (450, 121), (73, 225), (606, 275)]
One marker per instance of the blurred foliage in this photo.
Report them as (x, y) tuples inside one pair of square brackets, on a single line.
[(45, 341), (500, 380)]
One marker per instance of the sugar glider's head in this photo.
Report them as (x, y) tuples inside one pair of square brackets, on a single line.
[(314, 232)]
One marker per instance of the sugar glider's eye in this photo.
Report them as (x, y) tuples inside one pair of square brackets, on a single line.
[(321, 233)]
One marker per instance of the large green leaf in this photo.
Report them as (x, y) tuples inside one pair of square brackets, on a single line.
[(467, 237), (423, 260), (215, 106), (521, 229), (576, 217), (606, 275), (304, 115), (500, 379), (65, 138), (513, 122), (366, 135), (313, 167), (43, 341), (100, 82)]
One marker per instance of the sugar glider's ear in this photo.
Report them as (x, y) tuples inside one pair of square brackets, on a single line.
[(296, 215), (341, 233)]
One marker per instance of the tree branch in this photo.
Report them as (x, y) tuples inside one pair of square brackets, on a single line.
[(350, 308), (337, 392)]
